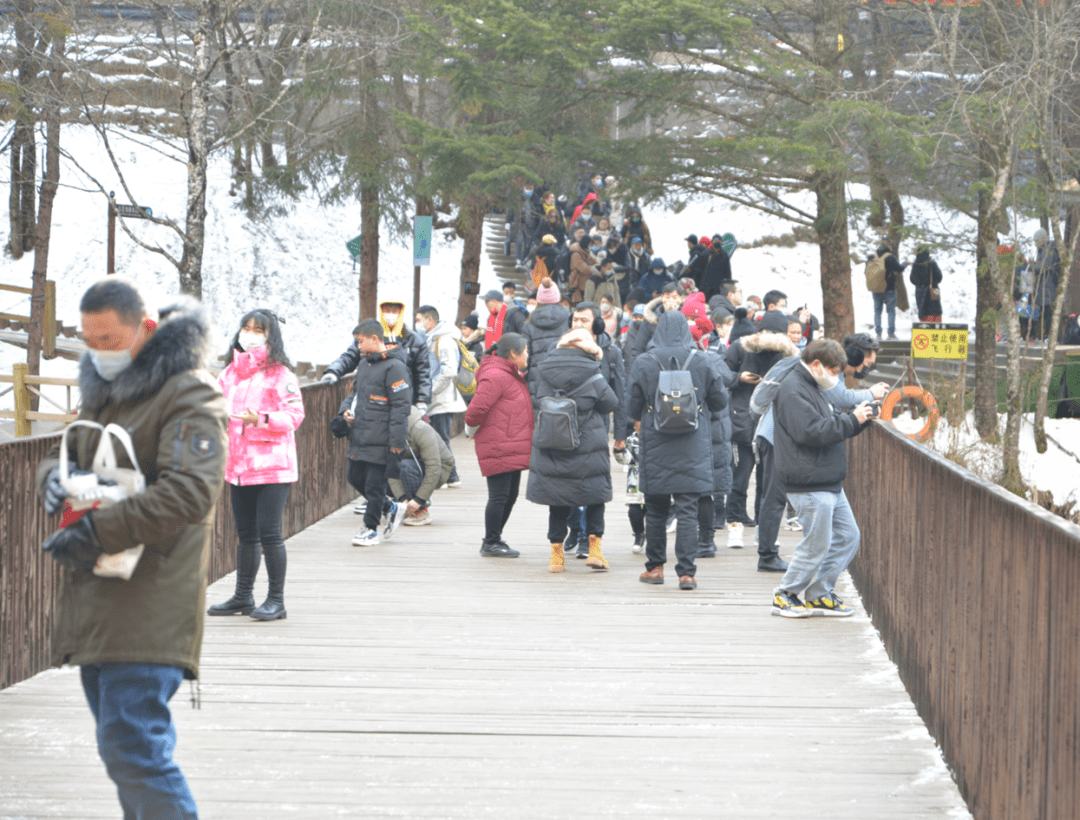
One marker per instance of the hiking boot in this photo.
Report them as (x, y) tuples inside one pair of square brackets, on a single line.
[(830, 606), (595, 558), (558, 563), (421, 519), (774, 563), (735, 535), (236, 605), (653, 576), (687, 582), (498, 549), (639, 543), (368, 538), (393, 519), (788, 605)]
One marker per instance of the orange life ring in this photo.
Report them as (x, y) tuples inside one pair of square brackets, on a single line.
[(917, 393)]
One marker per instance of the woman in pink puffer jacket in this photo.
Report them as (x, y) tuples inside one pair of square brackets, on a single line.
[(265, 408)]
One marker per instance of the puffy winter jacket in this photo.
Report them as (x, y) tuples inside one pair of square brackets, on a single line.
[(416, 357), (581, 268), (381, 399), (717, 271), (545, 327), (503, 413), (721, 422), (432, 452), (265, 452), (756, 353), (574, 478), (810, 434), (446, 361)]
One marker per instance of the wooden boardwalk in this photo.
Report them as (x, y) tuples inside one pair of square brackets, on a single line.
[(418, 680)]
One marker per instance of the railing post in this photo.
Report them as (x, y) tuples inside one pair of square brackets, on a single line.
[(22, 399), (48, 343)]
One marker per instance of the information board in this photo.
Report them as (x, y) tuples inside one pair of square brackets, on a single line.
[(933, 340), (421, 240)]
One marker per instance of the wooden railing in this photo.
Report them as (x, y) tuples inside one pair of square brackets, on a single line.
[(29, 579), (975, 593), (23, 385), (48, 341)]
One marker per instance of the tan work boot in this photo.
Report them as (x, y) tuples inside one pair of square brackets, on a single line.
[(557, 563), (596, 558)]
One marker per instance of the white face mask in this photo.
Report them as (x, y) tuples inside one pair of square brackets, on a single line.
[(826, 380), (419, 328), (110, 363), (249, 340), (636, 251), (605, 307), (390, 318)]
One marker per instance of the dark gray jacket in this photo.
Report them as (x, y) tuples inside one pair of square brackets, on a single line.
[(547, 324), (574, 478), (417, 358), (809, 436), (674, 463), (721, 422), (382, 397), (615, 375), (756, 353)]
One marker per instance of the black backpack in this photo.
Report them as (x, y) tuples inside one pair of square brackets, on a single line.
[(675, 405), (556, 420)]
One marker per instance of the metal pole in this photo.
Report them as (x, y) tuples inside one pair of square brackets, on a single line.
[(416, 288), (112, 236)]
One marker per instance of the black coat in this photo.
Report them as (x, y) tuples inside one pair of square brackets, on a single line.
[(809, 436), (674, 463), (615, 375), (654, 310), (925, 274), (717, 271), (695, 265), (417, 358), (721, 423), (756, 353), (573, 478), (382, 398), (547, 324)]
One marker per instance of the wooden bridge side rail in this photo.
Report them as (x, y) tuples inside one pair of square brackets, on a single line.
[(29, 579), (48, 340), (22, 384), (976, 594)]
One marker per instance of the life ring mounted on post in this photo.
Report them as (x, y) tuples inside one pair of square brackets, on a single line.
[(917, 393)]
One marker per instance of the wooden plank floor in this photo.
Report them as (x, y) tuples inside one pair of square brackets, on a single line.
[(418, 680)]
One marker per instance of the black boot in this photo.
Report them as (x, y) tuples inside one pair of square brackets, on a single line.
[(247, 567), (273, 608), (571, 542)]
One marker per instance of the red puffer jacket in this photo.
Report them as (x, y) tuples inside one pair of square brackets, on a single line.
[(503, 412)]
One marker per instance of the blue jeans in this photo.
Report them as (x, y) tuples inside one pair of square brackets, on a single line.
[(136, 737), (888, 299), (830, 540)]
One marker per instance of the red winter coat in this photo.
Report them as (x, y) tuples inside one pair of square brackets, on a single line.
[(503, 412)]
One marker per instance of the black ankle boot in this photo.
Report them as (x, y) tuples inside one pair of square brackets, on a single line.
[(243, 600), (273, 608), (270, 610)]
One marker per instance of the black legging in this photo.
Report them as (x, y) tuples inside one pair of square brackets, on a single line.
[(257, 511), (502, 493)]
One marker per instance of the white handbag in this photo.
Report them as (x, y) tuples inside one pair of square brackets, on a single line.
[(88, 492)]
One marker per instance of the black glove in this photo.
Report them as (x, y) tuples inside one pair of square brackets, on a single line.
[(76, 546), (54, 495), (339, 427)]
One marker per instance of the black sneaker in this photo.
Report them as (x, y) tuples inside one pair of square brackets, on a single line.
[(639, 543), (500, 549), (571, 542)]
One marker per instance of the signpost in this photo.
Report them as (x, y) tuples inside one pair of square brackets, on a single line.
[(421, 252), (933, 340), (128, 212)]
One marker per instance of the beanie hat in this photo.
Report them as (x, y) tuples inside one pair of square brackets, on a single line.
[(692, 238), (705, 241), (471, 321), (639, 310), (547, 293), (634, 239), (548, 239), (775, 321)]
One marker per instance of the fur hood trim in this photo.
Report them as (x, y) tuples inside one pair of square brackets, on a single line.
[(179, 344), (766, 340), (583, 340), (652, 315)]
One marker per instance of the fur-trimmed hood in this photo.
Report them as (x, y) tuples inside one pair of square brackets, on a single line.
[(583, 340), (767, 341), (179, 344), (654, 310)]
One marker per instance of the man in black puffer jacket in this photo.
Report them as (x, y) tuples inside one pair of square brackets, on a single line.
[(546, 325), (379, 419), (712, 509), (750, 357), (414, 346), (811, 461), (672, 469)]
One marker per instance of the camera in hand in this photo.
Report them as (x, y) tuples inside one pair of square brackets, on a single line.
[(875, 409)]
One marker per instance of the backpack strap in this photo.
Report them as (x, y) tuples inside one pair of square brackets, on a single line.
[(586, 383), (687, 362)]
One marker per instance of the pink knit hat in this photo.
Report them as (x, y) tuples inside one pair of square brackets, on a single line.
[(547, 293)]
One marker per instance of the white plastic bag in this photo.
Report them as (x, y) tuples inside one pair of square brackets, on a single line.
[(88, 492)]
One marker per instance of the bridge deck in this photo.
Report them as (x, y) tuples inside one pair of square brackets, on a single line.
[(419, 680)]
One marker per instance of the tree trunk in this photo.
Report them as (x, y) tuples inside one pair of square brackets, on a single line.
[(369, 193), (198, 122), (1066, 253), (49, 187), (470, 227), (832, 231), (987, 308), (22, 202)]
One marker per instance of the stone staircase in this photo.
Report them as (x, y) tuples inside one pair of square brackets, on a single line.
[(495, 247)]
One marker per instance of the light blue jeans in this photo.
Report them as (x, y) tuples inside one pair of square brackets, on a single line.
[(830, 540), (888, 300)]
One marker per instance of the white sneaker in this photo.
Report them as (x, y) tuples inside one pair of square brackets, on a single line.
[(360, 509), (393, 519), (734, 536), (793, 525), (423, 518), (368, 538), (453, 485)]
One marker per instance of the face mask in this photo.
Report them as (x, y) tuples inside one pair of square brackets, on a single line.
[(636, 251), (419, 328), (864, 372), (598, 183), (390, 318), (111, 363), (530, 308), (249, 340), (826, 381), (527, 191), (605, 308)]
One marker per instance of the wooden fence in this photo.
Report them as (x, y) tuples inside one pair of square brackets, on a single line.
[(29, 579), (48, 340), (976, 593)]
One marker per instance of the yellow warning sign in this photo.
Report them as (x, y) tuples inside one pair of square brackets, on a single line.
[(931, 340)]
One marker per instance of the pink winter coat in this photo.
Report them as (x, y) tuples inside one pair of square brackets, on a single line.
[(503, 412), (264, 453)]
